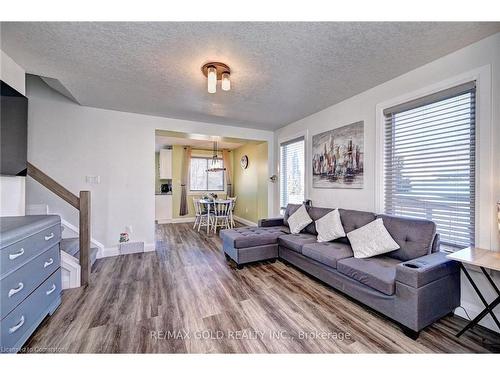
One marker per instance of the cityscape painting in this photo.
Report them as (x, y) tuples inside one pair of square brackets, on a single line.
[(338, 157)]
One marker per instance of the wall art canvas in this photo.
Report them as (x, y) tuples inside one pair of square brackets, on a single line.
[(337, 157)]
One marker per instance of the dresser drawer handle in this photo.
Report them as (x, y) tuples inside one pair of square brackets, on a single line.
[(48, 263), (51, 289), (16, 255), (20, 287), (49, 237), (17, 326)]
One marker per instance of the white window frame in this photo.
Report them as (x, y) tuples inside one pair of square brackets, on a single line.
[(485, 208), (307, 170)]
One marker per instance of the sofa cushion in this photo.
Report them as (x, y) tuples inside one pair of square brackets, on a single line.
[(378, 273), (329, 227), (327, 253), (296, 241), (243, 237), (414, 236), (299, 220)]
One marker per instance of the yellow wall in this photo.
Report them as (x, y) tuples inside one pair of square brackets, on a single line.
[(251, 184)]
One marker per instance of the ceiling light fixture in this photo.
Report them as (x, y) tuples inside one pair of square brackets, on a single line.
[(215, 162), (217, 71)]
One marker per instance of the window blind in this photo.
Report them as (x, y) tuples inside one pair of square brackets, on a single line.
[(429, 169), (292, 172)]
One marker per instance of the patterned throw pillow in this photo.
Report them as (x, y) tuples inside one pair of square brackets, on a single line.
[(299, 220), (371, 239), (329, 227)]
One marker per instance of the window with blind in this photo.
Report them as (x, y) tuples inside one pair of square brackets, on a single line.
[(430, 162), (292, 182)]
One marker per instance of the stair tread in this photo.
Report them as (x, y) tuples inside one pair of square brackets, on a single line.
[(70, 245)]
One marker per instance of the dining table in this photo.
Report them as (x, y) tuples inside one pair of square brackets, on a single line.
[(210, 209)]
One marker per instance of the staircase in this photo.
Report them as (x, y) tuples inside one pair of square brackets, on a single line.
[(71, 246), (77, 256)]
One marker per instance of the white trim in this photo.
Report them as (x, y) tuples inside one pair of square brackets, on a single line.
[(115, 251), (307, 175), (108, 252), (70, 269), (244, 221), (189, 219), (149, 247), (484, 155), (73, 228)]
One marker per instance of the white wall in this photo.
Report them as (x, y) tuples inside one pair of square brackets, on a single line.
[(484, 54), (68, 141), (12, 188)]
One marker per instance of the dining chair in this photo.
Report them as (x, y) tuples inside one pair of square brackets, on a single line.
[(202, 216), (197, 211), (221, 215), (231, 212)]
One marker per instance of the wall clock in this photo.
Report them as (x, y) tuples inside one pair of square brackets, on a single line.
[(244, 162)]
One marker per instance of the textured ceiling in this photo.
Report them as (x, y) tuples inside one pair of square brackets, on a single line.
[(281, 72)]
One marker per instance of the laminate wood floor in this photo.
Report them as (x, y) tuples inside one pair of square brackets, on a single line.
[(185, 298)]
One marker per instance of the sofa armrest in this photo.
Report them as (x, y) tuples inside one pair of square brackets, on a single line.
[(421, 271), (271, 222)]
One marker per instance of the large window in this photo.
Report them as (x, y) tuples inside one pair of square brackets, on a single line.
[(292, 172), (430, 162), (201, 180)]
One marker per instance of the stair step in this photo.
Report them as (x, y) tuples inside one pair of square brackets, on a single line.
[(72, 247)]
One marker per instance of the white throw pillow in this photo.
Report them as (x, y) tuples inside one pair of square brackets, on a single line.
[(299, 220), (329, 227), (371, 239)]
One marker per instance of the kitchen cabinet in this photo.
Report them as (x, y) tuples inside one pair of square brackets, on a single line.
[(163, 208), (165, 164)]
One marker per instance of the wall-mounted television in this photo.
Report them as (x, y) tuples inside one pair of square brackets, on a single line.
[(13, 132)]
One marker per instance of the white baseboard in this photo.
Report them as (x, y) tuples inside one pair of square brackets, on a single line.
[(245, 221), (149, 247), (115, 251), (189, 219)]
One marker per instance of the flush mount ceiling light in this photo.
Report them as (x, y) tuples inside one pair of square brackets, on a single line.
[(217, 71)]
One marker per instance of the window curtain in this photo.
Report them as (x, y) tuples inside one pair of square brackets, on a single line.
[(183, 211), (229, 172)]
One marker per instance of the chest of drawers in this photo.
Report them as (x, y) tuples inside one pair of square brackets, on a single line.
[(30, 276)]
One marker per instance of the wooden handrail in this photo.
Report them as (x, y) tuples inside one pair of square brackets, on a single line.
[(82, 204), (53, 186)]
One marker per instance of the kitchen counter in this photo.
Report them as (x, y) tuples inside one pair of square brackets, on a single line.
[(169, 193)]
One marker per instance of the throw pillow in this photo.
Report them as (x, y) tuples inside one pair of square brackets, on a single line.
[(371, 239), (329, 227), (299, 220)]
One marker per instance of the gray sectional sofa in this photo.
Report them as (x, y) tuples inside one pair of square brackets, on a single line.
[(414, 285)]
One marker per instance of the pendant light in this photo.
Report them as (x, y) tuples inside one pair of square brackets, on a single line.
[(215, 162)]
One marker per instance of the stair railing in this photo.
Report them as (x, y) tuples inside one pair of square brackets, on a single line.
[(82, 204)]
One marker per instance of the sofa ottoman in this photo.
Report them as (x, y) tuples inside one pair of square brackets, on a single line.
[(251, 244)]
